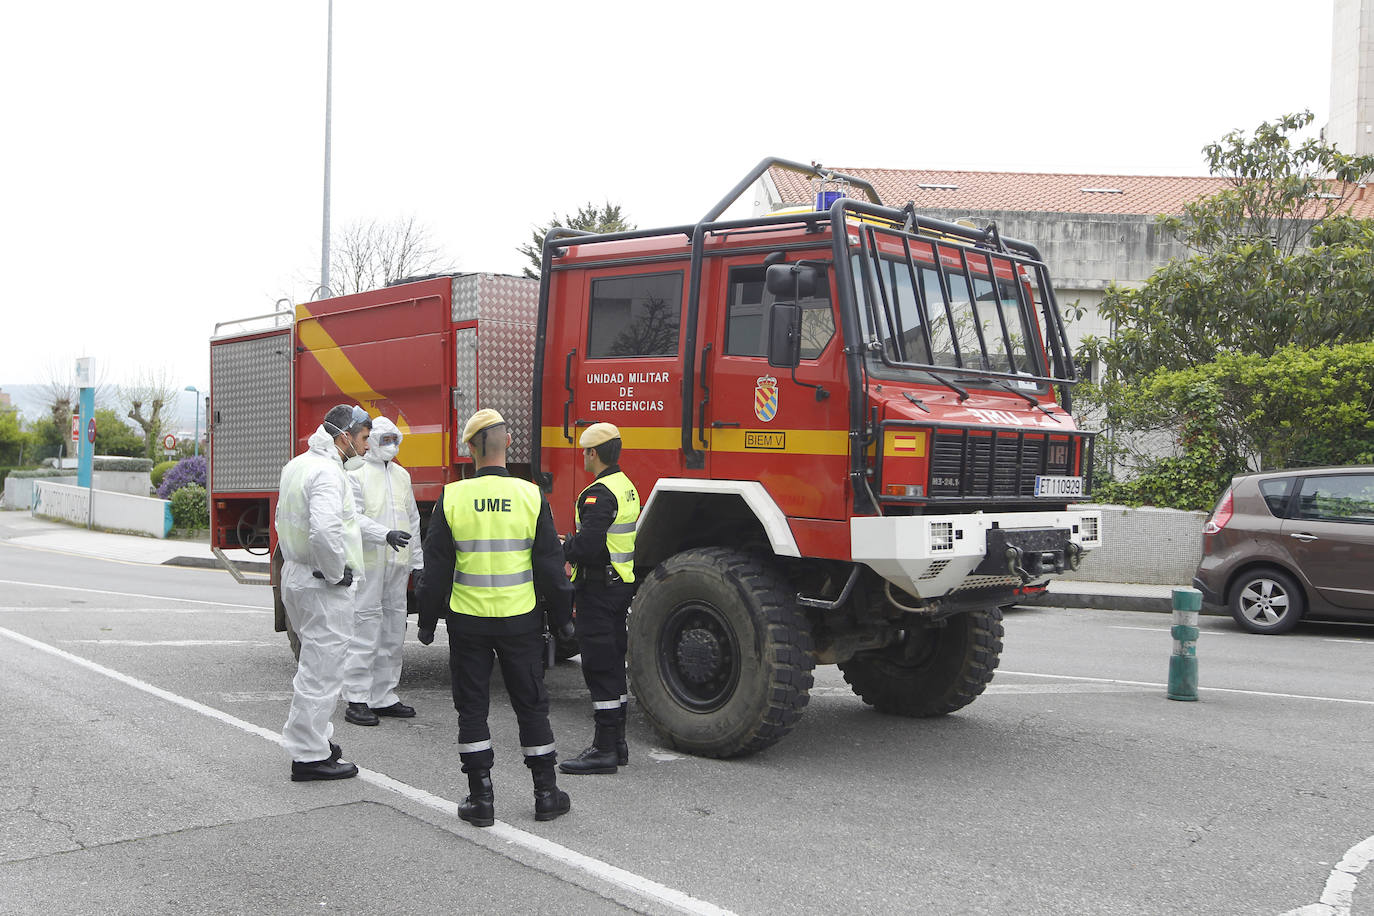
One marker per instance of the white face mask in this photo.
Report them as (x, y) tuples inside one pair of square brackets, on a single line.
[(354, 462), (387, 452)]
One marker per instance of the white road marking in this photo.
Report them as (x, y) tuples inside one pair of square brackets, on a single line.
[(659, 754), (221, 611), (1253, 693), (101, 591), (604, 871), (1339, 893), (175, 643)]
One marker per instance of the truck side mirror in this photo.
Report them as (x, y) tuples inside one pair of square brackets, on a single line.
[(791, 282), (784, 335)]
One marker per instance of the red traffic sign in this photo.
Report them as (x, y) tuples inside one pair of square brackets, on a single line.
[(76, 428), (169, 442), (90, 430)]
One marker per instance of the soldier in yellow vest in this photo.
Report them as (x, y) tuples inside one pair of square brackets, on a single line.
[(491, 543), (322, 553), (603, 553)]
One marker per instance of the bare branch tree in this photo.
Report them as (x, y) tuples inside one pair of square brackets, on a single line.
[(148, 400), (369, 254), (61, 395)]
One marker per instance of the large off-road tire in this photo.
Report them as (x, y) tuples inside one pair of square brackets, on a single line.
[(719, 656), (930, 671)]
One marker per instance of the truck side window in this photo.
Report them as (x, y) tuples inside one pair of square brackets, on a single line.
[(746, 320), (634, 316)]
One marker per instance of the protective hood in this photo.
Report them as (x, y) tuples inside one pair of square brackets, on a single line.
[(321, 443), (382, 448)]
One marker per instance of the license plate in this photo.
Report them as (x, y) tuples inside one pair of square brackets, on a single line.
[(1059, 487)]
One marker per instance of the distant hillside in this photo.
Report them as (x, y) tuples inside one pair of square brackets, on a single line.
[(32, 403)]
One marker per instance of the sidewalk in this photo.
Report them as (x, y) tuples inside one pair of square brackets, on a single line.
[(21, 529)]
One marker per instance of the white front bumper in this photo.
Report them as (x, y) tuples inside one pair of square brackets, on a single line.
[(933, 555)]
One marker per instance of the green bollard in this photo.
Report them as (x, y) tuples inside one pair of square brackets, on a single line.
[(1183, 663)]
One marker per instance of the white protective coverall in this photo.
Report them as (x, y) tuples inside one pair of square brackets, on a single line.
[(317, 530), (384, 501)]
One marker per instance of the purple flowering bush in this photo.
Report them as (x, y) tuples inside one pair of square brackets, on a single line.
[(187, 471)]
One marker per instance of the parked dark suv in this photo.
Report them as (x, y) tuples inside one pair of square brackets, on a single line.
[(1281, 545)]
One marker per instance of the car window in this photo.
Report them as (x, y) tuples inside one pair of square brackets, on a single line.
[(1338, 498), (1275, 493)]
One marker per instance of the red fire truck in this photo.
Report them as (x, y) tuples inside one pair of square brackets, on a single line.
[(850, 427)]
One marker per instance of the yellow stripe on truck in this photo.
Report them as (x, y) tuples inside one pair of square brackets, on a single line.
[(417, 449), (754, 441)]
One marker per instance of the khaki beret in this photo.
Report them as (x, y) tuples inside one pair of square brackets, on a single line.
[(598, 433), (483, 419)]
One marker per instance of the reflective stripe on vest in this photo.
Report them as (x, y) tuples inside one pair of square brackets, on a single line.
[(620, 537), (492, 520)]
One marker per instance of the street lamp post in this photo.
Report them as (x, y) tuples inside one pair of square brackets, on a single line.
[(197, 432)]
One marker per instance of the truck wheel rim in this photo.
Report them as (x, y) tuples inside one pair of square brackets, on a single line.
[(698, 656)]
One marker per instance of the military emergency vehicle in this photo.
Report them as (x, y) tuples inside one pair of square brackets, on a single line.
[(850, 427)]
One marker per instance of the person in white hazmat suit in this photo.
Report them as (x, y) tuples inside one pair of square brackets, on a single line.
[(387, 514), (322, 552)]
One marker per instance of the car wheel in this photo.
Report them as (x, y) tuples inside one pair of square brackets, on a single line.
[(1267, 601)]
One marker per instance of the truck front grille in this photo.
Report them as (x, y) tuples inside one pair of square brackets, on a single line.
[(999, 463)]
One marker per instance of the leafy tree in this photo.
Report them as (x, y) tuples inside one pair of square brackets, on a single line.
[(1279, 274), (1276, 263), (589, 218), (113, 436), (369, 255), (13, 439)]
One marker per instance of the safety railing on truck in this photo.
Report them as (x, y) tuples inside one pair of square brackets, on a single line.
[(254, 324), (971, 462)]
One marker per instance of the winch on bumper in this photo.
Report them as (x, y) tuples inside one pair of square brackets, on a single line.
[(930, 556)]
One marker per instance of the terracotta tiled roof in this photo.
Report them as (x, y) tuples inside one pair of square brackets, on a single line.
[(1035, 192)]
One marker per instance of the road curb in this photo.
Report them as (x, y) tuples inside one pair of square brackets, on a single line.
[(1109, 602), (212, 563)]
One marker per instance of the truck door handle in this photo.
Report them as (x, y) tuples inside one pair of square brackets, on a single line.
[(1304, 537)]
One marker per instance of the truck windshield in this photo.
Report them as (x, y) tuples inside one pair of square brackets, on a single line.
[(924, 303)]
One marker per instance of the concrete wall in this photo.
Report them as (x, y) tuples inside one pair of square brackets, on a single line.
[(115, 511), (1145, 546), (19, 491)]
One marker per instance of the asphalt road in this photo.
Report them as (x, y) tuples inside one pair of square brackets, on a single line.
[(138, 774)]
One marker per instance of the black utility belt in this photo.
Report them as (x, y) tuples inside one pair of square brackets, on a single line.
[(605, 574)]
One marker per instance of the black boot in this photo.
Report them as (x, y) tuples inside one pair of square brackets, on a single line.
[(549, 800), (479, 808), (601, 757), (622, 750)]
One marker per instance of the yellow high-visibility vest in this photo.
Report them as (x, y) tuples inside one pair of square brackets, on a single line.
[(620, 537), (492, 519)]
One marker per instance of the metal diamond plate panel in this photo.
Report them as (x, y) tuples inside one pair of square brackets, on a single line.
[(507, 312), (250, 426), (466, 290), (465, 395)]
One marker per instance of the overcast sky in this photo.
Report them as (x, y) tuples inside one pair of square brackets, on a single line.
[(161, 162)]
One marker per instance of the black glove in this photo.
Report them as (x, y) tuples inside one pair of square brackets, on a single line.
[(567, 632), (397, 538), (417, 581), (426, 637), (347, 579)]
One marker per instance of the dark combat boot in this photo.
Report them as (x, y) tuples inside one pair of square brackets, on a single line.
[(549, 800), (622, 750), (601, 757), (479, 808)]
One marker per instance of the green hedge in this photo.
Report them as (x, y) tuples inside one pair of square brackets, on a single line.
[(160, 471), (44, 472), (7, 471), (111, 463), (191, 507)]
